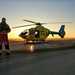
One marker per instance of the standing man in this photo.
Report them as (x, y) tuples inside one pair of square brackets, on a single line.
[(4, 30)]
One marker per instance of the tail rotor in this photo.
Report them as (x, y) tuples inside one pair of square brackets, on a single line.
[(62, 31)]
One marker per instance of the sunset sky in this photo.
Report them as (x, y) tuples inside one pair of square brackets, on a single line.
[(40, 11)]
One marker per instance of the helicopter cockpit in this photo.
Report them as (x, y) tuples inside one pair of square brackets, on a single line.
[(25, 32)]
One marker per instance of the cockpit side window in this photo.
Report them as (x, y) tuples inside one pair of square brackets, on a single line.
[(25, 32)]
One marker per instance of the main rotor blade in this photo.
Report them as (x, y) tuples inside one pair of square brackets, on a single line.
[(30, 21), (58, 22), (22, 26)]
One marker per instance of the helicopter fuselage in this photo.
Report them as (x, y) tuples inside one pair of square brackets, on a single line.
[(39, 33)]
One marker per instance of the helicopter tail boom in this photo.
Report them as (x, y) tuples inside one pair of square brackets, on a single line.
[(61, 32)]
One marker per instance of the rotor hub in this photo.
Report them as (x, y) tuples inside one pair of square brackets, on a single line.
[(38, 24)]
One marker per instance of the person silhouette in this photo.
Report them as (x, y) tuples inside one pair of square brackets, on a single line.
[(4, 30)]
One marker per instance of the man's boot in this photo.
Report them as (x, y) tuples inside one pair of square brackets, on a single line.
[(7, 49), (0, 49)]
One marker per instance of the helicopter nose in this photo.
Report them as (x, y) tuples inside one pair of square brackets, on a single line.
[(23, 34)]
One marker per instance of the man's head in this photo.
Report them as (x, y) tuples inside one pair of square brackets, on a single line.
[(3, 20)]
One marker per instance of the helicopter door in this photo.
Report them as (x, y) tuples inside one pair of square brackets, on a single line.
[(36, 33)]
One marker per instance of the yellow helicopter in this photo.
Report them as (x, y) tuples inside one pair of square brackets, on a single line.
[(39, 33)]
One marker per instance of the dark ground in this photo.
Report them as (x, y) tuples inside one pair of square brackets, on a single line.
[(60, 62)]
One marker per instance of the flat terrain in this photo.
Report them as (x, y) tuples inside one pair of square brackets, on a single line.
[(21, 46), (51, 58), (43, 63)]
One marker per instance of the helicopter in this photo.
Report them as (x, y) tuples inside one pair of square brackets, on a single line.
[(39, 33)]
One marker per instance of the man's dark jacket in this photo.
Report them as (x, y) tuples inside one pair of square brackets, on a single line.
[(4, 27)]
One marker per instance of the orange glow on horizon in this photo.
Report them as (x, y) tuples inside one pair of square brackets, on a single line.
[(15, 37)]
